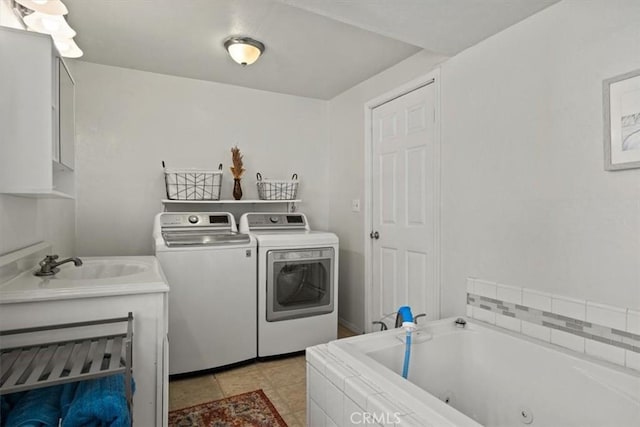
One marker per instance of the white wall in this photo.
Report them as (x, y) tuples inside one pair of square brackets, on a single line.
[(129, 121), (346, 182), (526, 200), (25, 221)]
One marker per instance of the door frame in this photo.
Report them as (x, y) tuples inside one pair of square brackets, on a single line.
[(433, 77)]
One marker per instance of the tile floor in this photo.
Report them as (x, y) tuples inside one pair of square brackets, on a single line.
[(282, 380)]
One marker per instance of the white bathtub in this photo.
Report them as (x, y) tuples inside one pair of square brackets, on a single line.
[(487, 375)]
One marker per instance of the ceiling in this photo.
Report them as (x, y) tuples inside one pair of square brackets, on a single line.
[(314, 48), (442, 26)]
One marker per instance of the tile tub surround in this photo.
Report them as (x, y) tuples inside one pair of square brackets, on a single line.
[(340, 395), (609, 333), (471, 376)]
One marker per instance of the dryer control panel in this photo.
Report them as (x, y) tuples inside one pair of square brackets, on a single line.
[(273, 221)]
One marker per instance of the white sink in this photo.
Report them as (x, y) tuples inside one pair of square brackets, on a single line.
[(98, 276), (101, 269)]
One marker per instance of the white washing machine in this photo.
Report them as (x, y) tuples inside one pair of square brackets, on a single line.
[(211, 270), (297, 282)]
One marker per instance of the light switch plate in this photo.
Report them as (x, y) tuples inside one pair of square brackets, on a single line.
[(355, 205)]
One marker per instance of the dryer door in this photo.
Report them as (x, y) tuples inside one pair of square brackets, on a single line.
[(299, 283)]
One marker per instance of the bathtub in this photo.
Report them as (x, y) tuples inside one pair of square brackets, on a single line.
[(471, 376)]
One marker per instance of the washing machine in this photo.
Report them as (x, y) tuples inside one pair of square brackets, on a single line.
[(211, 270), (297, 282)]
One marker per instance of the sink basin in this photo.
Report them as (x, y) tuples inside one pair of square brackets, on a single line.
[(101, 269), (97, 277)]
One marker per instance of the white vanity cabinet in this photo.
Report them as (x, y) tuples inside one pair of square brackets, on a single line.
[(37, 117), (28, 301), (150, 343)]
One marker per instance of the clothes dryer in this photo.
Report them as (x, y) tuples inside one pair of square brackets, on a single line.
[(297, 282)]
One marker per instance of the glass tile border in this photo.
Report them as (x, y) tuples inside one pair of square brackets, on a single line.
[(588, 330)]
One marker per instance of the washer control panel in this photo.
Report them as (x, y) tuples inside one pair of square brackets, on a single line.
[(191, 219)]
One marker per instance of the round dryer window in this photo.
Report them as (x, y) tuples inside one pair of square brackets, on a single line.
[(300, 283)]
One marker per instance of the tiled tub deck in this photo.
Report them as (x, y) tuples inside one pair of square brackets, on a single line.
[(486, 375)]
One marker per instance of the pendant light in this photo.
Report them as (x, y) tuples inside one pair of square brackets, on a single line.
[(54, 25), (47, 17), (50, 7), (244, 50), (68, 47)]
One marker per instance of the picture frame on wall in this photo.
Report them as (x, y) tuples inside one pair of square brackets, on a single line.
[(621, 98)]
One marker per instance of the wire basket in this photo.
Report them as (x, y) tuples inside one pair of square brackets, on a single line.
[(193, 184), (274, 189)]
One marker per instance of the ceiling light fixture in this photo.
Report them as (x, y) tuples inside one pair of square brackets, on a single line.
[(50, 7), (68, 47), (244, 50), (47, 17), (55, 25)]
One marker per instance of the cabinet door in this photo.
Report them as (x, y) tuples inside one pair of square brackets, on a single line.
[(67, 119)]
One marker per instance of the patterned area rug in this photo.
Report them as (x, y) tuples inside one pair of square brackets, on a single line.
[(252, 409)]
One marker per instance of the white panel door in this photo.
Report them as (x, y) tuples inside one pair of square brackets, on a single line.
[(404, 206)]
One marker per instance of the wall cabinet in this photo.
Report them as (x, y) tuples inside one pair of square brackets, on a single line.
[(37, 117), (66, 140)]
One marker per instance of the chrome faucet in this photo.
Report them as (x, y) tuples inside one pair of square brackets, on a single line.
[(49, 265)]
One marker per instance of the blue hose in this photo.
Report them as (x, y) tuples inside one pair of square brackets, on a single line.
[(405, 313), (407, 355)]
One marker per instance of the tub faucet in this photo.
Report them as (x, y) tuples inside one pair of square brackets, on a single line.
[(460, 322), (404, 315), (49, 265), (383, 326)]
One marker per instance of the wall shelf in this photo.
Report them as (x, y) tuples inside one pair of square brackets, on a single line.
[(291, 204), (223, 202)]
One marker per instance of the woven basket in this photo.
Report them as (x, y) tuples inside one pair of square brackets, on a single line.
[(276, 189), (193, 184)]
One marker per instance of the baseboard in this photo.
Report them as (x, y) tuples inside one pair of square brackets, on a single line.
[(352, 327)]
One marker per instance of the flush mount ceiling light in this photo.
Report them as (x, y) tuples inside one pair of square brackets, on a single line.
[(50, 7), (244, 50)]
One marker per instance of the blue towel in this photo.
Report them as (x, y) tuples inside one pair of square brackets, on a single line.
[(100, 403), (7, 403), (66, 398), (36, 408), (5, 407)]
